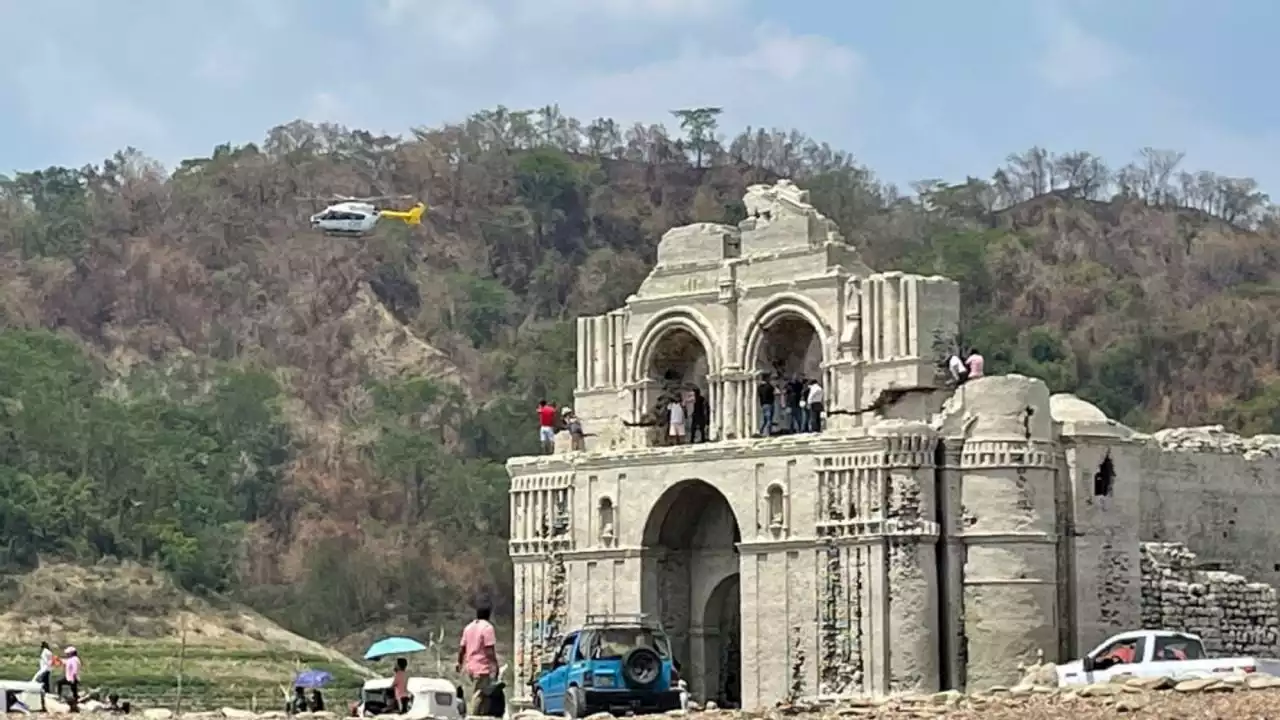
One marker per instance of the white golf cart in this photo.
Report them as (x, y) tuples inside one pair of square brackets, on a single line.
[(428, 698)]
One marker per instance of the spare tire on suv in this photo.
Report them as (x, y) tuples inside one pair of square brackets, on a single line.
[(641, 667)]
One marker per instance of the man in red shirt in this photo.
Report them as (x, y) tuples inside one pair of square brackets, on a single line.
[(547, 426)]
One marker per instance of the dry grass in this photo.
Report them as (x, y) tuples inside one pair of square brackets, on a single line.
[(128, 623)]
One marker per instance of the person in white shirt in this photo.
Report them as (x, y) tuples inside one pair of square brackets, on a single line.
[(675, 421), (814, 401), (959, 372), (44, 674)]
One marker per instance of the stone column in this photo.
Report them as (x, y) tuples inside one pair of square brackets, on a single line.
[(581, 345), (704, 661), (1010, 533), (892, 328), (868, 320)]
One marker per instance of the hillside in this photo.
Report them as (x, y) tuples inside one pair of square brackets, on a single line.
[(128, 624), (316, 426)]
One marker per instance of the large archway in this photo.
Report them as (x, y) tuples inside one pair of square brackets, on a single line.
[(786, 347), (690, 584), (678, 367)]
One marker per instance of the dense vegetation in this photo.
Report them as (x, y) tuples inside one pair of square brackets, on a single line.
[(190, 377)]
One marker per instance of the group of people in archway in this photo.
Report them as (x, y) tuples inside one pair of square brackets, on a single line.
[(790, 406)]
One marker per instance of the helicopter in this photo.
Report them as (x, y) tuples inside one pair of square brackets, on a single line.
[(352, 216)]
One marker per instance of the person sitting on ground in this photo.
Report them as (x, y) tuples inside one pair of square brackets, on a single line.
[(13, 705), (317, 701), (115, 707)]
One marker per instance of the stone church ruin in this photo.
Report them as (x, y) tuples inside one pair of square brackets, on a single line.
[(927, 538)]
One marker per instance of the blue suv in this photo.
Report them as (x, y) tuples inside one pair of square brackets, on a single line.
[(612, 663)]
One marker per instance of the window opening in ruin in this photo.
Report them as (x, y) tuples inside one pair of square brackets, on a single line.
[(680, 367), (1104, 480)]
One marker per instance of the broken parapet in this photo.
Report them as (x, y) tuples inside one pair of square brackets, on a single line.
[(1232, 615), (1215, 438)]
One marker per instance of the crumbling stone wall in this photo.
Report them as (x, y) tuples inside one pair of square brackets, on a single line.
[(1232, 615)]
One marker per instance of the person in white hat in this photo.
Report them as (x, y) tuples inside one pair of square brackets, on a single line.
[(71, 677)]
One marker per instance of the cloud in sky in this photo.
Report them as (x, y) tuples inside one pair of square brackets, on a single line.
[(915, 89)]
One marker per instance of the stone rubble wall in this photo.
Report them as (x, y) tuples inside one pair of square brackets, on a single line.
[(1216, 439), (1233, 616)]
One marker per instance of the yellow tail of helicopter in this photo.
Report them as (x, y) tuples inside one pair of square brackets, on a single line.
[(412, 216)]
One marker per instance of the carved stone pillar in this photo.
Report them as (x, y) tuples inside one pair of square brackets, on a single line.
[(892, 346)]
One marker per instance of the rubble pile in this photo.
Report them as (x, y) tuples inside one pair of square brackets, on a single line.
[(1215, 438), (1255, 695), (1232, 615)]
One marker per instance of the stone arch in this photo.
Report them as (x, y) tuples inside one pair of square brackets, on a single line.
[(722, 632), (660, 327), (785, 307), (690, 543), (674, 361)]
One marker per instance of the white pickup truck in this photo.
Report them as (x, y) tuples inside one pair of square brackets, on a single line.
[(1156, 653)]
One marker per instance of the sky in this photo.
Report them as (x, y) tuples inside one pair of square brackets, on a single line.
[(914, 88)]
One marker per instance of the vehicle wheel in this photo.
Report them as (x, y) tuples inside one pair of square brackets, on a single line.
[(641, 667), (575, 703)]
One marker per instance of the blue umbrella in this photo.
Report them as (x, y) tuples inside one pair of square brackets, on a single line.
[(393, 646), (312, 679)]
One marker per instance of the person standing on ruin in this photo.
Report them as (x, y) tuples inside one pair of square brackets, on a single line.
[(701, 417), (796, 404), (815, 401), (974, 362), (959, 371), (766, 396), (547, 426), (675, 421)]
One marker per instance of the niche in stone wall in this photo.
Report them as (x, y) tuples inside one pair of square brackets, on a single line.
[(776, 509), (605, 514)]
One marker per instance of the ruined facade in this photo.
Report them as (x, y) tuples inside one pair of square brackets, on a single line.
[(926, 538)]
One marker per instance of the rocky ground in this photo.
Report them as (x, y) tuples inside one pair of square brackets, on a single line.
[(1253, 697)]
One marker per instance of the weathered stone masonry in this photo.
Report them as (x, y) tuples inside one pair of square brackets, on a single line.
[(936, 541)]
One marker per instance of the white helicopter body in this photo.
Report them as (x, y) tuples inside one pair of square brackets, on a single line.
[(355, 216)]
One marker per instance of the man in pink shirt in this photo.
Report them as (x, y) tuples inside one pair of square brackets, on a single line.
[(478, 658)]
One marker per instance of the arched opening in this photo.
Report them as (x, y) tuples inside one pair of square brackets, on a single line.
[(689, 582), (723, 621), (679, 366), (788, 352)]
